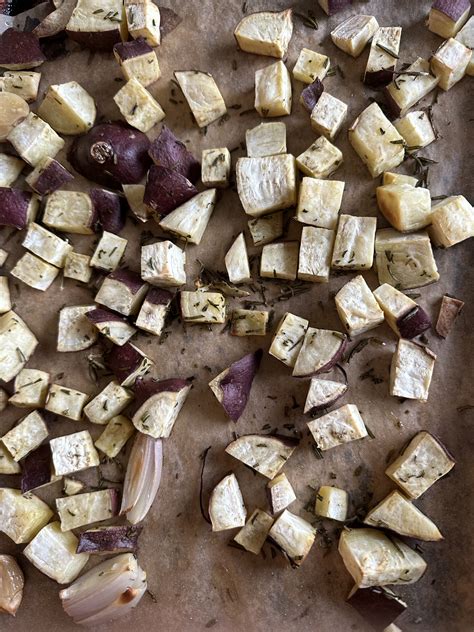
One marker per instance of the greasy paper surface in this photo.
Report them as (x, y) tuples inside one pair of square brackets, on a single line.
[(198, 581)]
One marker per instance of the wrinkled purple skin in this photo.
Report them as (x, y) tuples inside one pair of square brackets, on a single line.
[(167, 151), (51, 178), (18, 47), (145, 388), (310, 95), (452, 8), (328, 404), (236, 384), (99, 315), (36, 469), (379, 78), (111, 154), (114, 500), (166, 189), (377, 606), (106, 540), (169, 21), (135, 48), (123, 361), (332, 362), (414, 323), (158, 296), (334, 6), (14, 207), (110, 209), (14, 7), (129, 278)]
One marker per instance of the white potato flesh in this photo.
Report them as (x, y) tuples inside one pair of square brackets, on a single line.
[(374, 559), (266, 184), (416, 129), (322, 394), (34, 272), (70, 212), (253, 534), (152, 317), (10, 169), (411, 371), (189, 221), (288, 338), (110, 402), (143, 67), (398, 178), (466, 37), (332, 503), (398, 514), (273, 95), (24, 83), (237, 261), (315, 254), (53, 552), (319, 202), (22, 516), (77, 266), (318, 352), (320, 159), (117, 295), (31, 388), (452, 221), (328, 115), (68, 108), (134, 195), (215, 167), (8, 465), (394, 304), (281, 493), (354, 243), (249, 322), (75, 331), (88, 18), (280, 261), (226, 505), (162, 263), (138, 107), (202, 95), (265, 33), (357, 307), (404, 261), (294, 535), (66, 402), (379, 59), (82, 509), (266, 139), (116, 434), (158, 414), (26, 436), (109, 252), (408, 88), (340, 426), (117, 331), (352, 35), (47, 245), (17, 344), (423, 462), (266, 229), (5, 299), (143, 20), (35, 140), (73, 453), (310, 66), (376, 140), (265, 454), (444, 25), (141, 370), (449, 63)]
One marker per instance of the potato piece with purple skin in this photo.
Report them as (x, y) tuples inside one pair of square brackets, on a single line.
[(403, 315), (107, 540), (446, 17), (17, 208), (89, 27), (232, 386), (37, 469), (10, 169), (154, 310), (111, 154), (158, 404), (189, 221), (383, 56), (378, 605), (20, 50), (112, 326), (320, 351), (310, 95), (75, 332), (110, 209), (167, 189), (122, 291), (266, 454), (168, 151), (449, 310), (12, 582), (128, 363), (48, 176), (323, 394), (138, 59), (330, 7)]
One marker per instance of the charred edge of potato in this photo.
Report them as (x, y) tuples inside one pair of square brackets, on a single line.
[(36, 469)]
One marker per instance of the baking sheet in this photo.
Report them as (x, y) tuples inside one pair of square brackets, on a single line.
[(197, 581)]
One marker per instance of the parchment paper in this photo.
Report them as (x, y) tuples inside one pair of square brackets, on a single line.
[(198, 581)]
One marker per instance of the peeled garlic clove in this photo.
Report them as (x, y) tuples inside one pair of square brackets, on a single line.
[(11, 585)]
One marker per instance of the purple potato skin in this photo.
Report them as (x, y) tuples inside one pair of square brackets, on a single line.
[(19, 47), (131, 279), (310, 95), (110, 209), (36, 468), (97, 316), (123, 361), (377, 606), (236, 384), (167, 151), (145, 388), (334, 6), (158, 296), (413, 323), (379, 78), (328, 404), (169, 21), (393, 107), (97, 40), (51, 178), (14, 205), (111, 154), (332, 362), (166, 189), (114, 500), (130, 50), (452, 8), (106, 540)]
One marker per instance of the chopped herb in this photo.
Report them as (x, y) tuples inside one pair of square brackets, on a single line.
[(387, 50)]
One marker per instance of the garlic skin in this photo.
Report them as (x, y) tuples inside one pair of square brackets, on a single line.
[(11, 585)]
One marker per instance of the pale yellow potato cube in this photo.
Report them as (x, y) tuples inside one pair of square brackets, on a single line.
[(252, 536), (66, 401), (273, 90), (26, 436), (280, 261), (116, 434), (249, 322), (328, 115), (78, 267), (266, 139), (237, 261), (215, 167), (320, 159), (24, 83), (288, 338), (137, 60), (409, 88), (452, 221), (340, 426), (416, 129), (315, 254), (203, 307), (357, 307), (162, 263), (138, 107), (310, 66), (47, 245), (381, 64), (354, 33), (22, 516), (354, 244), (203, 96), (319, 202), (70, 212), (31, 389), (143, 20), (10, 169), (406, 207), (5, 299), (35, 140), (466, 37), (411, 370), (332, 503), (34, 272), (17, 344), (109, 252), (444, 24), (449, 63), (265, 33), (134, 194), (266, 229), (68, 108), (398, 178), (109, 403)]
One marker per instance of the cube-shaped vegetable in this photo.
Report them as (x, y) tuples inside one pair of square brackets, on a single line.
[(81, 509), (116, 434), (24, 83), (310, 66), (90, 26), (266, 139), (75, 332), (354, 244), (280, 261), (68, 108), (328, 115), (331, 502), (26, 436), (202, 307), (398, 178), (8, 465), (66, 402), (340, 426), (294, 535), (10, 169), (252, 536), (5, 300), (249, 322), (416, 129), (110, 402), (31, 389), (315, 254), (402, 314), (273, 90), (216, 167), (35, 140), (162, 263), (408, 88), (353, 34), (48, 176), (404, 261), (128, 363), (17, 344), (322, 394), (114, 327), (447, 16), (189, 220), (203, 96), (17, 207), (46, 245), (138, 60), (159, 403), (466, 37), (122, 291), (70, 212), (237, 261), (320, 159), (265, 33), (288, 338), (21, 517), (320, 351), (153, 311), (376, 140), (411, 371), (73, 453), (357, 307), (143, 21), (77, 267), (406, 207), (108, 252), (137, 106), (383, 56), (266, 229), (319, 202), (34, 272), (280, 493), (452, 221), (449, 63)]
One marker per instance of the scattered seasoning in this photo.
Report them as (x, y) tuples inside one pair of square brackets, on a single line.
[(203, 457), (463, 409), (317, 452), (309, 20), (387, 50)]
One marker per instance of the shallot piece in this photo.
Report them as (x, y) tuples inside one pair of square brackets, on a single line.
[(11, 585)]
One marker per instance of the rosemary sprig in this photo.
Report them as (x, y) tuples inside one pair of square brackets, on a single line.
[(387, 50), (308, 20)]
